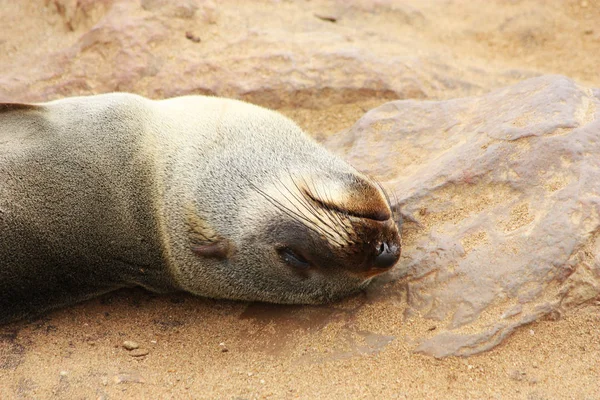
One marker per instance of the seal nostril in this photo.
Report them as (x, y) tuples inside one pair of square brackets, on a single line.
[(387, 256)]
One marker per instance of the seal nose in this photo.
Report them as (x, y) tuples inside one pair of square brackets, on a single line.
[(387, 255)]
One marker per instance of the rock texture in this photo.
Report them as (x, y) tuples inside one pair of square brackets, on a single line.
[(161, 48), (501, 196)]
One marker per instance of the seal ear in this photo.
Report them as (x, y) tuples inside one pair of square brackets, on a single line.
[(219, 250), (205, 241), (8, 107)]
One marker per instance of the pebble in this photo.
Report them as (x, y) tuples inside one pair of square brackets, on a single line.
[(128, 378), (139, 352), (516, 375), (130, 345), (190, 36)]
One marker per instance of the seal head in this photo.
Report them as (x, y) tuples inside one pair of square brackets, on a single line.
[(312, 240), (288, 221)]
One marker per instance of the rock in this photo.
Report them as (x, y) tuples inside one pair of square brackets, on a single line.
[(130, 345), (516, 375), (139, 352), (160, 48), (79, 14), (504, 192)]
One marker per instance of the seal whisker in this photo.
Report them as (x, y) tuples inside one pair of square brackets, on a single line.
[(385, 193), (294, 196), (315, 214), (395, 207), (319, 211), (329, 211), (336, 213), (322, 205), (309, 224), (310, 206)]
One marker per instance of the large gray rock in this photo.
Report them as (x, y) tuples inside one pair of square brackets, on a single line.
[(501, 198)]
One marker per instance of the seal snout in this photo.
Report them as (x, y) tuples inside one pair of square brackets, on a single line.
[(387, 255)]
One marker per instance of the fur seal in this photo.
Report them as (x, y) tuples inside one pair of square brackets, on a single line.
[(212, 196)]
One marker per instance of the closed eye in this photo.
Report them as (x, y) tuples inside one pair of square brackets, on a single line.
[(292, 258)]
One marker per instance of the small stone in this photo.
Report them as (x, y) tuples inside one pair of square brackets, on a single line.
[(517, 375), (190, 36), (63, 373), (139, 352), (128, 378), (262, 381), (326, 17), (130, 345)]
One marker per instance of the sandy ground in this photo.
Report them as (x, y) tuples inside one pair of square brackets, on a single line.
[(359, 348)]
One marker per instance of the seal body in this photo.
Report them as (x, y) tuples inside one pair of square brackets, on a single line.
[(216, 197)]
